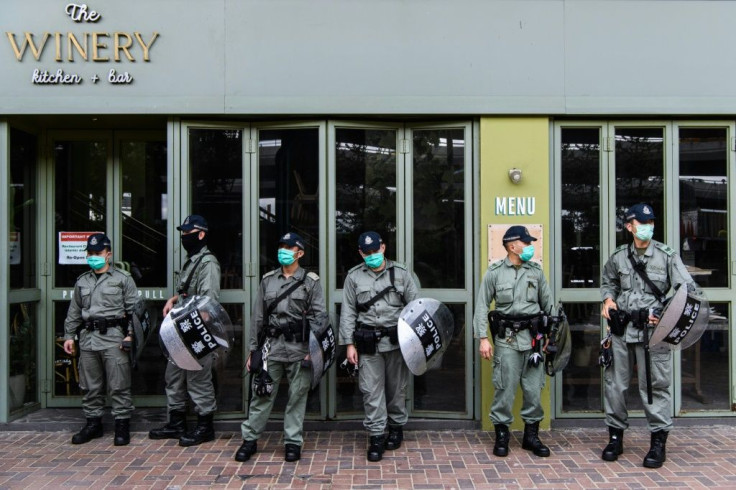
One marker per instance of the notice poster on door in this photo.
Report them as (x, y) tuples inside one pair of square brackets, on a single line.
[(14, 248), (72, 245), (496, 250)]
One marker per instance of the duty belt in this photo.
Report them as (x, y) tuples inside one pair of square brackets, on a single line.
[(291, 332), (391, 332), (500, 322), (102, 324)]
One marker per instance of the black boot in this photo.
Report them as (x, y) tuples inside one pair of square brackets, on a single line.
[(375, 450), (657, 454), (501, 447), (292, 453), (531, 441), (615, 445), (203, 432), (246, 450), (395, 437), (92, 430), (176, 427), (122, 432)]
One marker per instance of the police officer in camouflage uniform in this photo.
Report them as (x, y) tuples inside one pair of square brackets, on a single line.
[(374, 294), (521, 293), (101, 313), (623, 289), (289, 300), (199, 276)]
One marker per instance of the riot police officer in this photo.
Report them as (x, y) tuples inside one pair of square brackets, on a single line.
[(100, 315), (522, 296), (288, 303), (200, 276), (374, 294), (624, 290)]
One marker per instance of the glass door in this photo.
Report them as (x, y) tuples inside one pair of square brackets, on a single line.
[(23, 293), (216, 181), (413, 185), (115, 183), (290, 188), (682, 169)]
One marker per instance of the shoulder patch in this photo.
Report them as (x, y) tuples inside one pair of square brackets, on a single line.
[(665, 248), (313, 276), (496, 265), (621, 247), (269, 273), (534, 264)]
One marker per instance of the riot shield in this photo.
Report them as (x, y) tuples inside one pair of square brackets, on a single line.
[(322, 348), (193, 330), (683, 321), (425, 330), (559, 347), (141, 330)]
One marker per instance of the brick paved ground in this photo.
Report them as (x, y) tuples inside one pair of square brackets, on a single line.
[(698, 457)]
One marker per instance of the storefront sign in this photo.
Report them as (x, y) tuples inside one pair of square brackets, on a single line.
[(516, 206), (14, 248), (72, 245), (97, 46)]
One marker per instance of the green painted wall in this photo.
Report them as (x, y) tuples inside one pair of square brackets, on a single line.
[(508, 142)]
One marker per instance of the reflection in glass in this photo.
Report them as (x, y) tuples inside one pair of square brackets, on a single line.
[(705, 367), (144, 211), (704, 204), (216, 163), (639, 176), (80, 191), (22, 210), (288, 162), (581, 379), (349, 398), (365, 192), (580, 210), (439, 207), (22, 360), (66, 367), (228, 370), (442, 389), (148, 377)]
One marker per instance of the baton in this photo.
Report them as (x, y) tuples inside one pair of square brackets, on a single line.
[(647, 364)]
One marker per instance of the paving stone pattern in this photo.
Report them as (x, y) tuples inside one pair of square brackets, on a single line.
[(697, 457)]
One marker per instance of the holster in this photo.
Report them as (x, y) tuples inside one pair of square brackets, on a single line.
[(494, 322), (365, 340), (618, 320)]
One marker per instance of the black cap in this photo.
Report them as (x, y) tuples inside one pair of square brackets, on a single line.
[(641, 212), (98, 242), (292, 240), (193, 222), (370, 241), (518, 232)]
